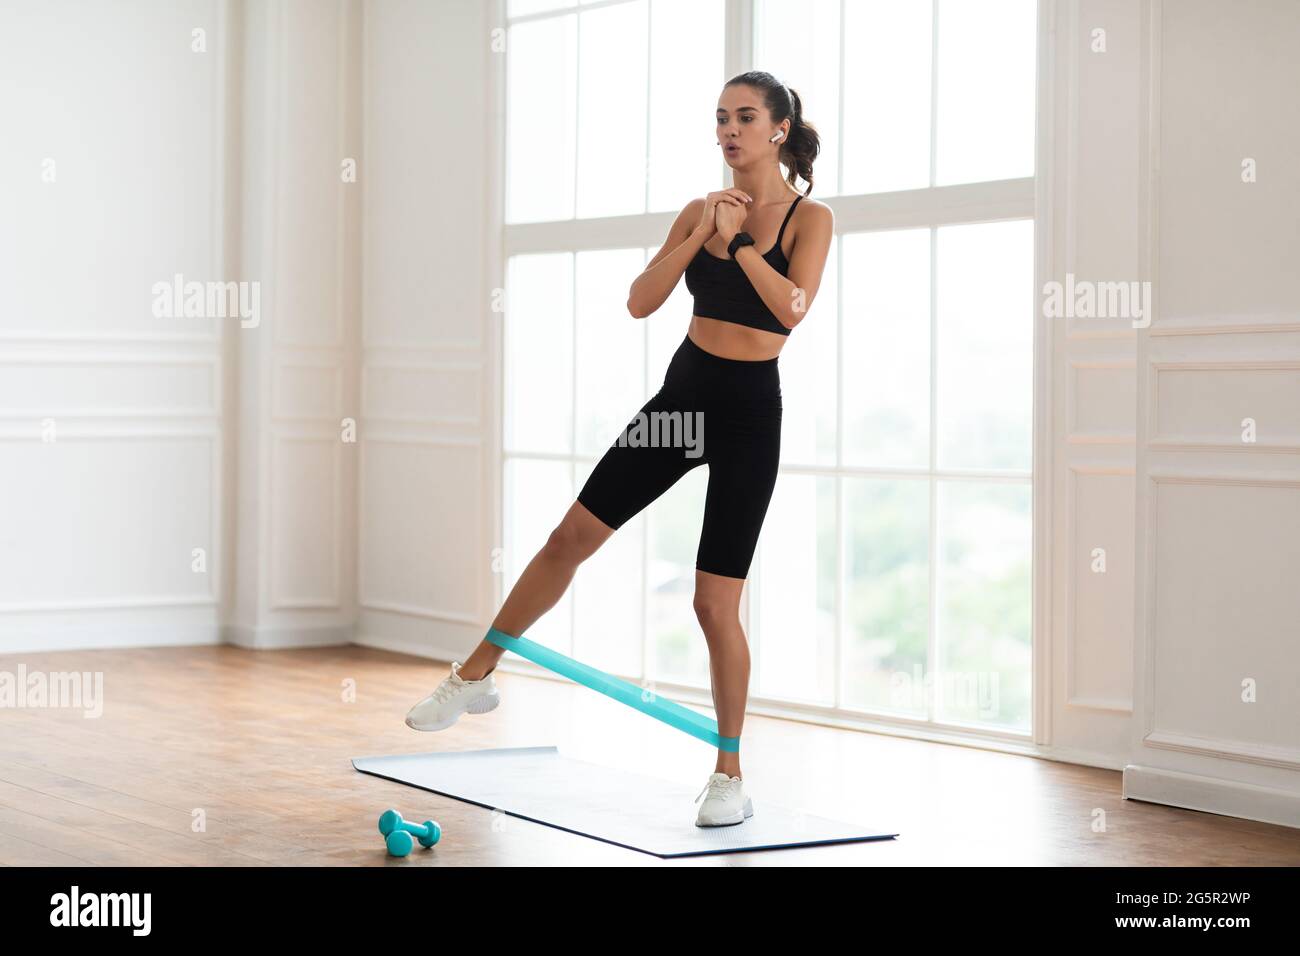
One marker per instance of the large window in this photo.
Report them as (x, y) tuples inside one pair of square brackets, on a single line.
[(893, 573)]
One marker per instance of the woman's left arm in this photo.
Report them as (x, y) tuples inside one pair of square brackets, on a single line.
[(791, 296)]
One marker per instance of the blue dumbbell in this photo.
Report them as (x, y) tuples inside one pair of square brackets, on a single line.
[(397, 833)]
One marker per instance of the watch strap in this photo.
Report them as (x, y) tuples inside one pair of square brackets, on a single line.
[(740, 239)]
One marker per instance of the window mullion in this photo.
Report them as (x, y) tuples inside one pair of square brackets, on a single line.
[(932, 639)]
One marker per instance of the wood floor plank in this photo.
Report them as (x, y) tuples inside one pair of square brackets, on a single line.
[(18, 852), (129, 820)]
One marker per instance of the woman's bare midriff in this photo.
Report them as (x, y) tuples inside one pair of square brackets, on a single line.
[(733, 341)]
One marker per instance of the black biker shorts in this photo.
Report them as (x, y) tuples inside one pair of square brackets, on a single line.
[(722, 412)]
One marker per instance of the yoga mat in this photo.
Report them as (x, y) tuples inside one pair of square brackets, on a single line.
[(630, 810)]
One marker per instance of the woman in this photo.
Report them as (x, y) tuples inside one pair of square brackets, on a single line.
[(753, 257)]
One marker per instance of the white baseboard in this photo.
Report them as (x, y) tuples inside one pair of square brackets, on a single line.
[(100, 636), (408, 644), (279, 638), (1230, 798)]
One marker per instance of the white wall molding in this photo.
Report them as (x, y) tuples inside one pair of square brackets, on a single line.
[(1073, 696), (209, 362), (1249, 751), (377, 603), (118, 433), (1162, 442), (332, 599)]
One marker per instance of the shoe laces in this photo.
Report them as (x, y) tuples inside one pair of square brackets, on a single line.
[(447, 687), (717, 786), (444, 691)]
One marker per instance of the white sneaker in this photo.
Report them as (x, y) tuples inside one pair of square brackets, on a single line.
[(454, 696), (726, 804)]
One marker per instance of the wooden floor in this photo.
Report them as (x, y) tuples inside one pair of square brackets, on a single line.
[(256, 745)]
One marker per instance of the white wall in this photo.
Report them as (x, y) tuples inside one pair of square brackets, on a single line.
[(297, 373), (1218, 517), (428, 485), (1090, 178), (221, 163), (97, 526), (1146, 661)]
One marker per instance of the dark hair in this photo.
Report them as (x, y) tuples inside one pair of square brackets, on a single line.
[(800, 148)]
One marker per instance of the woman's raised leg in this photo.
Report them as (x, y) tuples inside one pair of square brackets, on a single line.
[(628, 477), (576, 538)]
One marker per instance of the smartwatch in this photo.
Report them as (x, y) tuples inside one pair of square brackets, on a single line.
[(741, 239)]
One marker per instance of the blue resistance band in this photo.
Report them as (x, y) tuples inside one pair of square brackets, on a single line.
[(660, 708)]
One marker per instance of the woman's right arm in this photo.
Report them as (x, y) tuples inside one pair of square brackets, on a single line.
[(693, 227)]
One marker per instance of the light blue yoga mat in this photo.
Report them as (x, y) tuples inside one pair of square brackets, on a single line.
[(626, 809)]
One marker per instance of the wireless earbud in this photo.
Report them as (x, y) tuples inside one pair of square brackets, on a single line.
[(777, 138)]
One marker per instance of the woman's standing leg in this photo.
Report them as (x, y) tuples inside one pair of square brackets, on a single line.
[(743, 459), (717, 607)]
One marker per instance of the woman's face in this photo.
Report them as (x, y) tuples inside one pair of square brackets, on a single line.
[(744, 126)]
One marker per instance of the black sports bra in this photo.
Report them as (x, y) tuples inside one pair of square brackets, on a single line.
[(723, 291)]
